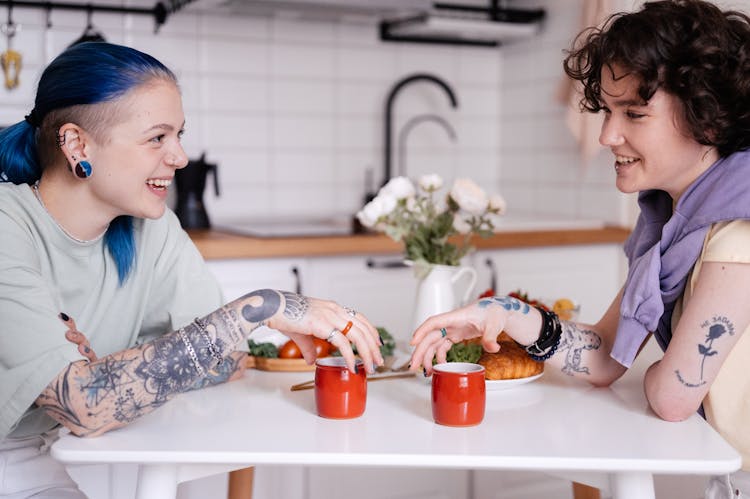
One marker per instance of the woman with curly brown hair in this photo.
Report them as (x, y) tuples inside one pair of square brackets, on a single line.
[(673, 82)]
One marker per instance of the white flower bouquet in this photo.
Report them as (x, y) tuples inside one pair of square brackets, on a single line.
[(427, 227)]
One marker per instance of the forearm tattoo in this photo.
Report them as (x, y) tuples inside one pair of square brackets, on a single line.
[(221, 374), (92, 397), (574, 339), (119, 388), (257, 311), (263, 304), (295, 306), (573, 342), (507, 302), (715, 328)]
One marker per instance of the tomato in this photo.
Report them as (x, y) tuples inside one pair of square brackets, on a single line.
[(322, 347), (290, 350)]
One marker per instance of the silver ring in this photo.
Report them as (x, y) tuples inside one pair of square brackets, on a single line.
[(331, 334), (350, 311)]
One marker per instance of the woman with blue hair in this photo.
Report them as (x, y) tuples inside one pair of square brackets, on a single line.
[(86, 232)]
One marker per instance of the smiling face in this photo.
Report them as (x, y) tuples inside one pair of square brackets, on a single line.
[(651, 148), (137, 161)]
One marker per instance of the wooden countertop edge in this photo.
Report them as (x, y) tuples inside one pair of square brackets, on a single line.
[(214, 244)]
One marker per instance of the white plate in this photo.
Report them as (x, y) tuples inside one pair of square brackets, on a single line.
[(502, 384)]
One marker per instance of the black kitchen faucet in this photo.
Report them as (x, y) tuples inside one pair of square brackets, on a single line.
[(387, 153)]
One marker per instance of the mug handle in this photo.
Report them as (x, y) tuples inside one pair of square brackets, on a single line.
[(472, 282)]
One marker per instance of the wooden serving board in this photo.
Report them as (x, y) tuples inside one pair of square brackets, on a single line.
[(272, 364)]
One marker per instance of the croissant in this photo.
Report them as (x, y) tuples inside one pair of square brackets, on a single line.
[(510, 362)]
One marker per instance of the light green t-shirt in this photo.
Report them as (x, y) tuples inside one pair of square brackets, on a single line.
[(44, 272)]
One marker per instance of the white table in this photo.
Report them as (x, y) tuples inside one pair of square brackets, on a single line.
[(604, 437)]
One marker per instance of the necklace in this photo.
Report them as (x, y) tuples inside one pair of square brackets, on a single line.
[(38, 196)]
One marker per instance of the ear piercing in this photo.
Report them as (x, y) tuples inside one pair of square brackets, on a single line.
[(83, 169)]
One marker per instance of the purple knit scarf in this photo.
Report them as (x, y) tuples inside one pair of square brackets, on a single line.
[(664, 247)]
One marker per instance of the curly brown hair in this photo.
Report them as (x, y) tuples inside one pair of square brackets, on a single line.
[(688, 48)]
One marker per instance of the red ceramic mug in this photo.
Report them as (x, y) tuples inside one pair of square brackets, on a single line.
[(339, 393), (458, 394)]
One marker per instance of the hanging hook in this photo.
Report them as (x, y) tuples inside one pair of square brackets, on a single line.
[(48, 10), (10, 60), (89, 16), (9, 28)]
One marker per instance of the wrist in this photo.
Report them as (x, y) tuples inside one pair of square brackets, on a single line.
[(521, 323), (549, 337)]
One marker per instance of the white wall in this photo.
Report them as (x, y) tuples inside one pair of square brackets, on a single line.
[(543, 171)]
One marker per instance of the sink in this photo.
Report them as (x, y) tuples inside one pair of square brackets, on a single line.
[(340, 226), (530, 222), (293, 227)]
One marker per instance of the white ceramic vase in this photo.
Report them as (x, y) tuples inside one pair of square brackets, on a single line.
[(444, 288)]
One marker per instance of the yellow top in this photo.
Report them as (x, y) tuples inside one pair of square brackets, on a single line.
[(727, 404)]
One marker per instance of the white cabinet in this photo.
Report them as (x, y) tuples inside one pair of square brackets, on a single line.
[(380, 287), (389, 483), (240, 276)]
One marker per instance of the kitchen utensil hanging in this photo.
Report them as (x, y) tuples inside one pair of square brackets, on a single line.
[(90, 34), (10, 60)]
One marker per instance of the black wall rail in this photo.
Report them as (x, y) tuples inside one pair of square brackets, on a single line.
[(160, 12)]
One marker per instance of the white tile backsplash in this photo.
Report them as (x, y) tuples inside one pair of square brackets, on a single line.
[(542, 171), (292, 111)]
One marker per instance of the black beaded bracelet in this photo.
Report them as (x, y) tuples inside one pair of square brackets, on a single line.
[(549, 333), (550, 352)]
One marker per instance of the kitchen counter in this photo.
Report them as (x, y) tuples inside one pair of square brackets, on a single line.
[(216, 244)]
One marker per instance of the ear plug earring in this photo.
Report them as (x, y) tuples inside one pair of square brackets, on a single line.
[(83, 169)]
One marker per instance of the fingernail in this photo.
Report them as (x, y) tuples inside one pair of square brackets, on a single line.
[(381, 340), (64, 316), (86, 349), (424, 372), (356, 369)]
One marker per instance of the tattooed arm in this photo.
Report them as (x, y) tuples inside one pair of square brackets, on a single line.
[(232, 368), (583, 350), (91, 398), (711, 324)]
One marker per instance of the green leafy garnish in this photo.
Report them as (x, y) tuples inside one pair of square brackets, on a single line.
[(464, 352), (386, 349), (265, 349)]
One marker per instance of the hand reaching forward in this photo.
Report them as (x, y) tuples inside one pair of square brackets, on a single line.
[(301, 317), (485, 318)]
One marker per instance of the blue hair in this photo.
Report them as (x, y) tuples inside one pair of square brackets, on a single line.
[(87, 73)]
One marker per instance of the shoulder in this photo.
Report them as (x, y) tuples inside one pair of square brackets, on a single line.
[(18, 208), (728, 242), (14, 197)]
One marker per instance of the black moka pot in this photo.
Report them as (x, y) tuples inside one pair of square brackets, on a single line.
[(191, 181)]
